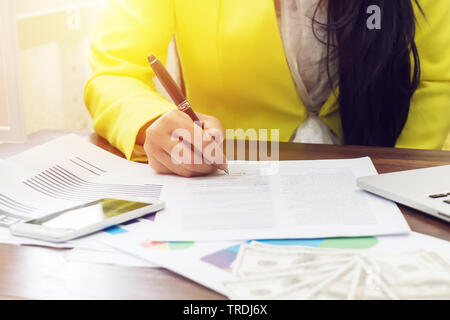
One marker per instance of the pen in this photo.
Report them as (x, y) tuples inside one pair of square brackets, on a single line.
[(173, 90)]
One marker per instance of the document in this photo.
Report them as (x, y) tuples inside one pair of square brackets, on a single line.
[(287, 199)]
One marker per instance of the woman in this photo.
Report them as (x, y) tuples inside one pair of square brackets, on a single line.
[(312, 69)]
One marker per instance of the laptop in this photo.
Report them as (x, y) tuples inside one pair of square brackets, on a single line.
[(427, 190)]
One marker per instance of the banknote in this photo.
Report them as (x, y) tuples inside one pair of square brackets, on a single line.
[(271, 285), (251, 258), (407, 267), (434, 289), (329, 265), (339, 287), (413, 275), (313, 289), (370, 285), (268, 287)]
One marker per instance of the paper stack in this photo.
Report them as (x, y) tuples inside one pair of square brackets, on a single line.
[(292, 272)]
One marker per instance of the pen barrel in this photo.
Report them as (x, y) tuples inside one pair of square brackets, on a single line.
[(172, 88), (167, 82), (175, 93)]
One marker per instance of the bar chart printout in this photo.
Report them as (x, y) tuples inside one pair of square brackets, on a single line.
[(64, 173)]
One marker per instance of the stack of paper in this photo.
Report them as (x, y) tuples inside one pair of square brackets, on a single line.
[(214, 216), (287, 272), (211, 263), (287, 199)]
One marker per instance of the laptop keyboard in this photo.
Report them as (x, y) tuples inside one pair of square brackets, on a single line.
[(440, 196)]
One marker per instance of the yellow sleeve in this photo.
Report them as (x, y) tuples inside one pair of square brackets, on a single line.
[(121, 96), (428, 123), (447, 144)]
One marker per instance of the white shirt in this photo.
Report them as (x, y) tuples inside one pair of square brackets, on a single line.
[(306, 58)]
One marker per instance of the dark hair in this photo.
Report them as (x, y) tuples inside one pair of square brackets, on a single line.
[(375, 74)]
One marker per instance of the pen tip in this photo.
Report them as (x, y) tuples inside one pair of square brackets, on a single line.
[(226, 171)]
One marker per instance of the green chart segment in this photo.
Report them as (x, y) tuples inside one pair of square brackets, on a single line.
[(349, 243)]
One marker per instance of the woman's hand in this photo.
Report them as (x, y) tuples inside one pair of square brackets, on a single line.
[(175, 144)]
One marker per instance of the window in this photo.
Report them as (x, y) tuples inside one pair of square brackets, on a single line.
[(11, 107), (54, 39)]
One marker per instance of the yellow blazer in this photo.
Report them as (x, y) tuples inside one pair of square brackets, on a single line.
[(234, 68)]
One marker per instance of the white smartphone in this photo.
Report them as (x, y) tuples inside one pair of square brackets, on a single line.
[(85, 219)]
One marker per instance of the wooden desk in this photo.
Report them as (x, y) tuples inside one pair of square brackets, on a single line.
[(41, 273)]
